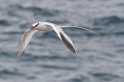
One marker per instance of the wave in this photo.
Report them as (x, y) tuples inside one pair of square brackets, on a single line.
[(79, 78), (4, 22), (57, 67), (119, 33), (29, 57), (6, 72), (105, 76), (34, 10), (108, 20), (110, 25)]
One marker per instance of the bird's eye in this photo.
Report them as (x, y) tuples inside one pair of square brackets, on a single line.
[(36, 24)]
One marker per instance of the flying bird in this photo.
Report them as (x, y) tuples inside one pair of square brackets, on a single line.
[(47, 26)]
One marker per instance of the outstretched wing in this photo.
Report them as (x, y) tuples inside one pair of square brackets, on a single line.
[(25, 40), (63, 37)]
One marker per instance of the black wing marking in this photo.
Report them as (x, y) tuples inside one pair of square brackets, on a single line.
[(67, 43)]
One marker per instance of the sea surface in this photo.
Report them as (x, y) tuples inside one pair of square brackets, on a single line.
[(46, 58)]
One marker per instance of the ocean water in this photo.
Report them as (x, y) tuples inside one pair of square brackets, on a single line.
[(46, 58)]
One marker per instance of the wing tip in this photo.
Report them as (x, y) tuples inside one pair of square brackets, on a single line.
[(18, 56), (73, 50)]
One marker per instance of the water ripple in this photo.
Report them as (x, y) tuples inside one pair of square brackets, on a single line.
[(105, 76), (6, 72), (5, 23), (108, 20), (35, 10)]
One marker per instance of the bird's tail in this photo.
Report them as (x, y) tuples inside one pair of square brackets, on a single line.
[(82, 28)]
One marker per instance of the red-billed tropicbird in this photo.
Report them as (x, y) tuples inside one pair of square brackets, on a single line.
[(47, 26)]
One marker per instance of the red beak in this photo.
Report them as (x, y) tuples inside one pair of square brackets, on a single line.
[(32, 27)]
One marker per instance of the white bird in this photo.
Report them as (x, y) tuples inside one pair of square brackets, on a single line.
[(47, 26)]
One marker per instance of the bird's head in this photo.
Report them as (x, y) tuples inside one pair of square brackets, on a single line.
[(34, 25)]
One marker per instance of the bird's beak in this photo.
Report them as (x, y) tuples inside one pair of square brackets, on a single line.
[(32, 27)]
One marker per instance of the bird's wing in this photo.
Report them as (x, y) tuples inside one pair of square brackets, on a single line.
[(64, 38), (25, 40)]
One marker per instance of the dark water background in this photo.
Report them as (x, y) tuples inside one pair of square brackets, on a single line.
[(46, 58)]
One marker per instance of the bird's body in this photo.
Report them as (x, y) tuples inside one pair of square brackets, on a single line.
[(47, 26), (44, 26)]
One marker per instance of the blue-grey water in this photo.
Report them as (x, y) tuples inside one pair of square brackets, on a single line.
[(46, 58)]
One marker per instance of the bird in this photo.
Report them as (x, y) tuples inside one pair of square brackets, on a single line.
[(48, 26)]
